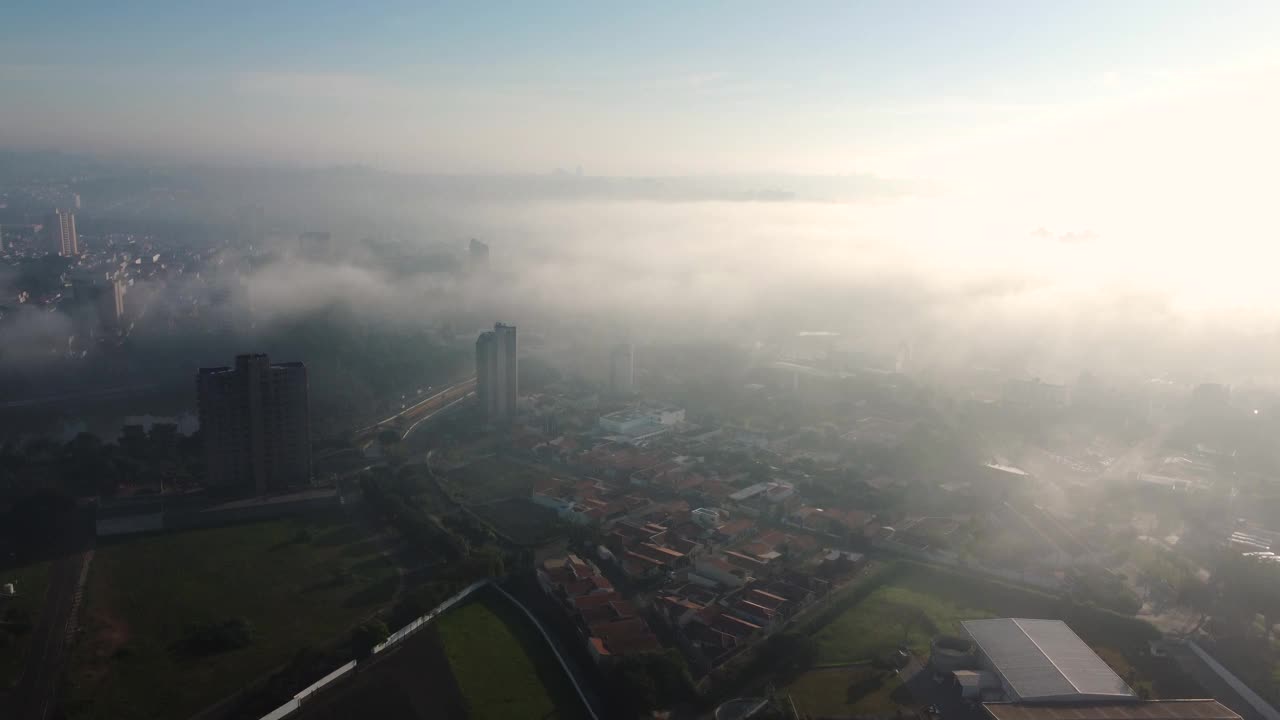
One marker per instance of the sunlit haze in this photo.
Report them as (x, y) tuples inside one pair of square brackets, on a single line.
[(1101, 146), (897, 360)]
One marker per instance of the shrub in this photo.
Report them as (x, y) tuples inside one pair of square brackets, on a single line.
[(368, 635), (211, 638)]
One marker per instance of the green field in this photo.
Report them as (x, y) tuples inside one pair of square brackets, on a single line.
[(31, 582), (296, 582), (519, 520), (501, 665), (480, 660), (859, 690), (881, 623), (491, 479)]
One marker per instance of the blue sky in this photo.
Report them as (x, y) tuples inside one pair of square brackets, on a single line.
[(620, 88)]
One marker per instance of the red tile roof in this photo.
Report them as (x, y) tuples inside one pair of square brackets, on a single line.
[(706, 635), (767, 599), (736, 627), (750, 608), (744, 561), (736, 527), (625, 637), (670, 553), (593, 601)]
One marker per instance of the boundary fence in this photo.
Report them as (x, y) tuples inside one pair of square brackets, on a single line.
[(407, 631), (547, 638), (293, 705), (1263, 707)]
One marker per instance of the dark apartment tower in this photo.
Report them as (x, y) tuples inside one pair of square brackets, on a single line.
[(477, 256), (254, 421), (496, 373)]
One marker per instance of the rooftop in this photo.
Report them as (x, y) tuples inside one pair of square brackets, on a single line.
[(1149, 710), (1046, 660)]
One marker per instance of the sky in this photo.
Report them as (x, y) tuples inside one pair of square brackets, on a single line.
[(662, 88)]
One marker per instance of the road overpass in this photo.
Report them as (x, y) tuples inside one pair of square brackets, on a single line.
[(407, 419)]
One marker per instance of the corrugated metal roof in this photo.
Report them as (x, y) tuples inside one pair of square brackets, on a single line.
[(1150, 710), (1045, 660)]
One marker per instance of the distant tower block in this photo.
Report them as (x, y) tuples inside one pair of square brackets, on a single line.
[(622, 369), (477, 256)]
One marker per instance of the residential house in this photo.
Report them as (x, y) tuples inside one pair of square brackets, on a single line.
[(718, 570)]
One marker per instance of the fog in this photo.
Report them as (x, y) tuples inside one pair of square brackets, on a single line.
[(884, 271), (883, 263)]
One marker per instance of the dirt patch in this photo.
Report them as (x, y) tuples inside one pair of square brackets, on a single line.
[(107, 637)]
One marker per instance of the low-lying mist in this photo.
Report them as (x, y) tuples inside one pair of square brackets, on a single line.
[(883, 269)]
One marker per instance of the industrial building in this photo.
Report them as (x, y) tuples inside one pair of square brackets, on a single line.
[(1023, 669), (641, 422), (1020, 660), (1132, 710)]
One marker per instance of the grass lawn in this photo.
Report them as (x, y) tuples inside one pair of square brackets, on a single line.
[(502, 666), (480, 660), (873, 626), (519, 519), (859, 690), (298, 582), (30, 582), (491, 479)]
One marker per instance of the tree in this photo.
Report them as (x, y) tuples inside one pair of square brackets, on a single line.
[(368, 636), (792, 653), (651, 680), (211, 638), (907, 617)]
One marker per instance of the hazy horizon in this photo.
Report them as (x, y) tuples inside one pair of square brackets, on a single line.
[(1080, 181)]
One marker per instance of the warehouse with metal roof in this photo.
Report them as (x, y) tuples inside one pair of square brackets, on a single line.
[(1044, 661), (1144, 710)]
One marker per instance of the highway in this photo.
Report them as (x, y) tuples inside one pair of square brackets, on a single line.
[(419, 411)]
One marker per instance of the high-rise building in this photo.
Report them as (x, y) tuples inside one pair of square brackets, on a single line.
[(60, 226), (75, 200), (477, 256), (102, 299), (254, 422), (116, 310), (497, 371), (622, 369)]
